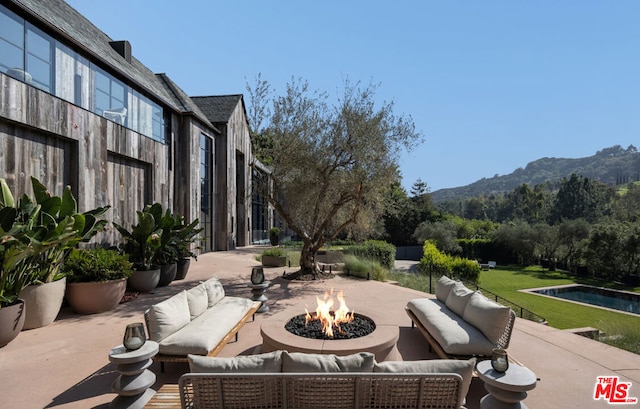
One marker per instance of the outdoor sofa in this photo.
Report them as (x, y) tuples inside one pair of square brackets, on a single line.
[(281, 379), (197, 321), (460, 322)]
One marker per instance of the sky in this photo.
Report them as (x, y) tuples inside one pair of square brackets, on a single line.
[(491, 85)]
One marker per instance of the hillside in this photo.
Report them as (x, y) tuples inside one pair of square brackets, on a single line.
[(612, 166)]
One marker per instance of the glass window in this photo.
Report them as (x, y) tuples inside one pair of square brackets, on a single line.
[(11, 43)]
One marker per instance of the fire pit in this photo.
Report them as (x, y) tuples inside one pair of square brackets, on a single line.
[(329, 331)]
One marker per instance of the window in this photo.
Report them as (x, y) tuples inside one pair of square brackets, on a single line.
[(39, 62), (206, 190), (11, 43)]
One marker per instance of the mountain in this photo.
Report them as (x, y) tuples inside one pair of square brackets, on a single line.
[(613, 166)]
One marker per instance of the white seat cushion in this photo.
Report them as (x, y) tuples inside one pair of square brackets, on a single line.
[(489, 317), (452, 333)]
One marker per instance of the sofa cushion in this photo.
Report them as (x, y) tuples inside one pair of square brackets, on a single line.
[(452, 333), (269, 362), (489, 317), (215, 291), (198, 300), (458, 298), (168, 316), (206, 330), (303, 362), (464, 368), (443, 288)]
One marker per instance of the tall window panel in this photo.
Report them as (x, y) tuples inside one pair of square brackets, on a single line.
[(206, 190)]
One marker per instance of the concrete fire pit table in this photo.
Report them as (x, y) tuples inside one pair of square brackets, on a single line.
[(381, 342)]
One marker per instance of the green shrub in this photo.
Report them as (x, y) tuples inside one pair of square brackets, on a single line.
[(97, 264), (433, 261), (274, 252), (381, 251), (465, 269), (364, 268)]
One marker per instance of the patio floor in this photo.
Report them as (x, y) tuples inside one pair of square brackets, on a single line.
[(66, 365)]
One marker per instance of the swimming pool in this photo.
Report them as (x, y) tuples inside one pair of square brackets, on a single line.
[(596, 296)]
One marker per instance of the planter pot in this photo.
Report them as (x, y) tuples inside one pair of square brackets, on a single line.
[(11, 322), (167, 274), (273, 261), (43, 303), (144, 280), (182, 268), (95, 297)]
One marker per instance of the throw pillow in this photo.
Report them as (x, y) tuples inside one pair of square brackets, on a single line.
[(458, 366), (458, 298), (168, 316), (262, 363), (443, 288), (489, 317), (215, 291), (303, 362), (198, 300)]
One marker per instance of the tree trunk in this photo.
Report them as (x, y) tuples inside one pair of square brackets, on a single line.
[(308, 258)]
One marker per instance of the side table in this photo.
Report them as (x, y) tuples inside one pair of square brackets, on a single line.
[(506, 390), (134, 381), (258, 291)]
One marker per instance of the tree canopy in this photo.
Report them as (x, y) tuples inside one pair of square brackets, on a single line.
[(331, 162)]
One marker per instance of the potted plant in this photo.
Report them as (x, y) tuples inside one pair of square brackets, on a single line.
[(54, 220), (274, 236), (274, 257), (141, 244), (96, 279), (167, 254), (187, 235)]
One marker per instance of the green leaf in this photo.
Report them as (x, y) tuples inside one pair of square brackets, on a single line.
[(68, 206), (6, 198), (40, 192)]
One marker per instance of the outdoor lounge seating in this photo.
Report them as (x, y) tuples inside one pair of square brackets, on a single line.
[(297, 380), (197, 321), (461, 322)]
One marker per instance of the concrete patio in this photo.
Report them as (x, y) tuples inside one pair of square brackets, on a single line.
[(66, 365)]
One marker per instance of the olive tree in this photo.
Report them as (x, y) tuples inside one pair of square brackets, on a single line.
[(330, 162)]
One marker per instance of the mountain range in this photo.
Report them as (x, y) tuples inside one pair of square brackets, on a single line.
[(612, 166)]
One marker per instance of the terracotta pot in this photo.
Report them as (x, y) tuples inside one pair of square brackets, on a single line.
[(43, 303), (95, 297), (144, 280), (182, 268), (167, 274), (11, 322)]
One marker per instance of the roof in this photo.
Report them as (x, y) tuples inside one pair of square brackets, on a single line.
[(219, 108), (78, 31)]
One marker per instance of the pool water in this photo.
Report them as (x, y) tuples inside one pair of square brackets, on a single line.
[(602, 297)]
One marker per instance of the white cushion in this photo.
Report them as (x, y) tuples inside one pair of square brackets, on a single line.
[(168, 316), (452, 332), (264, 363), (460, 367), (303, 362), (458, 298), (207, 330), (443, 288), (198, 300), (489, 317), (215, 291)]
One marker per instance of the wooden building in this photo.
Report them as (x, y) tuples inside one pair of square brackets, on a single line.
[(77, 108)]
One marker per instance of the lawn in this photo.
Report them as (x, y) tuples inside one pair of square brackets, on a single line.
[(621, 330)]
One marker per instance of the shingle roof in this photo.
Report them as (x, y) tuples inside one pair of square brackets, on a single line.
[(68, 23), (218, 108)]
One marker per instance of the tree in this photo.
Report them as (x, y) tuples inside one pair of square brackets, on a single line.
[(331, 164)]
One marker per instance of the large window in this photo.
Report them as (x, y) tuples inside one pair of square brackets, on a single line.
[(30, 55), (206, 190)]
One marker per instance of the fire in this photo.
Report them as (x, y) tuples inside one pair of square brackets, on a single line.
[(329, 320)]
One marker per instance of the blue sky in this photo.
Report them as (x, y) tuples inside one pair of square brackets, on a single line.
[(492, 85)]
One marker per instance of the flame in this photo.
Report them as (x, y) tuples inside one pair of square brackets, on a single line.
[(323, 313)]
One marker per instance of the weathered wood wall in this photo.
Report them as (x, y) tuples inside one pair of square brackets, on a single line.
[(62, 144)]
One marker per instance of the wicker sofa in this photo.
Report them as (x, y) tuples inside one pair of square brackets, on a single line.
[(281, 379), (197, 321), (460, 322)]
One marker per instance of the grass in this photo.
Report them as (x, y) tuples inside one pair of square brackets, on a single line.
[(621, 330)]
